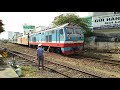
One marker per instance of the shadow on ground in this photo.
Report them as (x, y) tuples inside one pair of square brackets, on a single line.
[(3, 66), (89, 54)]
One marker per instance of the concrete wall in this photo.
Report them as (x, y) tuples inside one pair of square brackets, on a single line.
[(91, 44), (103, 45)]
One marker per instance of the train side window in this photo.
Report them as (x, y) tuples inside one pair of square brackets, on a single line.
[(77, 31), (70, 30), (34, 39), (61, 31), (50, 38), (53, 31), (46, 38)]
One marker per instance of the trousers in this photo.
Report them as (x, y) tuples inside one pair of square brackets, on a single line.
[(41, 59)]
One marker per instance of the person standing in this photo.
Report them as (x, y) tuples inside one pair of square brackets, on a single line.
[(40, 56)]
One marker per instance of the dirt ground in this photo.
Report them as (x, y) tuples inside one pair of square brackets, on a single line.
[(104, 70)]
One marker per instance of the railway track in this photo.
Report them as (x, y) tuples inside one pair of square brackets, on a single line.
[(59, 68), (112, 62), (113, 51)]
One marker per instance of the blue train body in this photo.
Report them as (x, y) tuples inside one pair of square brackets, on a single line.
[(67, 39)]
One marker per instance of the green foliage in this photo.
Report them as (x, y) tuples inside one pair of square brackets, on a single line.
[(1, 28), (85, 23), (62, 19), (88, 33), (28, 71)]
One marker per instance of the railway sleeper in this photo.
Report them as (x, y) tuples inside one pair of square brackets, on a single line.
[(52, 66), (79, 75), (71, 73), (62, 70)]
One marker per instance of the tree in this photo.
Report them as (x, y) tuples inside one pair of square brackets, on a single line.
[(72, 18), (1, 28), (89, 31)]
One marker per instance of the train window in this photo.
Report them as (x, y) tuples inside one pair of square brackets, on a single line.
[(46, 38), (34, 39), (50, 38), (53, 31), (43, 33), (70, 30), (50, 32), (77, 31), (61, 31)]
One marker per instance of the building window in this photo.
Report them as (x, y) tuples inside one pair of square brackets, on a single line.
[(116, 12), (108, 19)]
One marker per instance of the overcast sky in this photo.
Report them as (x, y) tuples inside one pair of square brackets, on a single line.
[(14, 20)]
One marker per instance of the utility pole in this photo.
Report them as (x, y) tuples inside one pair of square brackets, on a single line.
[(28, 38)]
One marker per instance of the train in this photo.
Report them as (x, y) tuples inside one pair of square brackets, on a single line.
[(66, 39)]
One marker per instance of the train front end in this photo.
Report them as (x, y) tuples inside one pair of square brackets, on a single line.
[(74, 39)]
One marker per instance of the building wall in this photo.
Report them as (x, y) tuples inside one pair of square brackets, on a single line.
[(106, 24), (91, 44), (28, 29), (103, 45), (106, 31), (10, 35), (106, 21), (102, 13)]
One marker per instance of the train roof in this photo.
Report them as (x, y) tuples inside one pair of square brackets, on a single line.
[(23, 36), (49, 29)]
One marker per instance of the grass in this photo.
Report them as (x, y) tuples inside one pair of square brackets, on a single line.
[(29, 71)]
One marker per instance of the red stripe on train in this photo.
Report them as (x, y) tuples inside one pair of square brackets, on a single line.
[(58, 44)]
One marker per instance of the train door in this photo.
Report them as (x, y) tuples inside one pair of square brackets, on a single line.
[(57, 36), (61, 35)]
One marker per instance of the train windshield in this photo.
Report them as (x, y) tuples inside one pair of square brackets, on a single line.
[(70, 31), (77, 30)]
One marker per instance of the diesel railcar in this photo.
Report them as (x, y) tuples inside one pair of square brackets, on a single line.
[(66, 39)]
